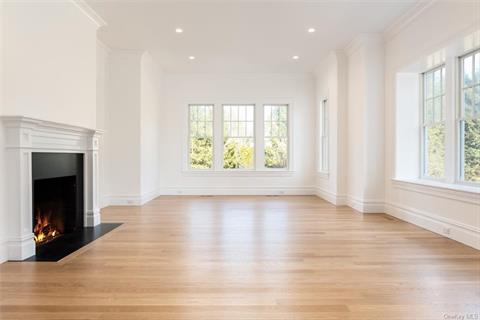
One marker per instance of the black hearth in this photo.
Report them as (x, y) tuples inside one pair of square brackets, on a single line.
[(58, 206)]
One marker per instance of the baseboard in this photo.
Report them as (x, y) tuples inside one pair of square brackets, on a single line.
[(3, 251), (366, 205), (238, 191), (457, 231), (19, 249), (130, 200), (333, 198)]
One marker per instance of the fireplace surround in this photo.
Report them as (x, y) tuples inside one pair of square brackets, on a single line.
[(28, 139)]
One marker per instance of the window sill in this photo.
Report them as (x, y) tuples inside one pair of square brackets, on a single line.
[(240, 173), (465, 193)]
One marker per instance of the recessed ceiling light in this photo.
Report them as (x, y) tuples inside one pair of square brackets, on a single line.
[(295, 57), (178, 30), (311, 30), (191, 58)]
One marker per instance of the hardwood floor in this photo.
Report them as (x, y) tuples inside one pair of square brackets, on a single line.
[(286, 257)]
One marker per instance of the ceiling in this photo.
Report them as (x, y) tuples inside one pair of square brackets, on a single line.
[(241, 36)]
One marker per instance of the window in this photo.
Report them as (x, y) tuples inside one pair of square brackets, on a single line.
[(201, 136), (238, 137), (323, 136), (433, 134), (275, 121), (469, 117)]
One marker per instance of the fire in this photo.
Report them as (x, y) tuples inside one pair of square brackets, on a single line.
[(43, 230)]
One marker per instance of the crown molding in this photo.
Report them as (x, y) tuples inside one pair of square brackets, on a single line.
[(361, 39), (406, 19), (90, 13)]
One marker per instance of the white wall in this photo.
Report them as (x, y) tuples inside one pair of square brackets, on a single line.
[(132, 128), (149, 131), (331, 84), (182, 89), (365, 124), (47, 69), (123, 125), (50, 54), (102, 103), (3, 207), (438, 209)]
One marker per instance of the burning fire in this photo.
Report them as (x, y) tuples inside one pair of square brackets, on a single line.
[(43, 230)]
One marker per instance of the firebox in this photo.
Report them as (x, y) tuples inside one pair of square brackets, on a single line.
[(57, 196)]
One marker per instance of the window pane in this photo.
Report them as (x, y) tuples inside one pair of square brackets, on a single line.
[(437, 109), (267, 113), (468, 103), (435, 151), (276, 153), (476, 99), (437, 82), (238, 145), (471, 150), (201, 137), (428, 85), (468, 71), (276, 133), (238, 153), (477, 67), (429, 111)]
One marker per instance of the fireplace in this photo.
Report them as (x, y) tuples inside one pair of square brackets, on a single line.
[(53, 172), (57, 195)]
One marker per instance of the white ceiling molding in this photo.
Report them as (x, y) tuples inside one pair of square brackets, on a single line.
[(90, 13), (405, 19)]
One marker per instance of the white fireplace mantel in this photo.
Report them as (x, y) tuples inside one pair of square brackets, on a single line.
[(25, 136)]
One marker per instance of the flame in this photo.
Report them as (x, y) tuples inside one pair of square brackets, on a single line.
[(43, 230)]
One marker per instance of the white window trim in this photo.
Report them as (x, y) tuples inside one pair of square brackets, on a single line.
[(189, 142), (459, 118), (255, 137), (323, 166), (423, 125), (259, 168)]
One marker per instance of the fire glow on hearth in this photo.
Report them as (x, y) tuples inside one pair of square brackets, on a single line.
[(44, 231)]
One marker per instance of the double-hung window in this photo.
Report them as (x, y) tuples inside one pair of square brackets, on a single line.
[(323, 136), (276, 136), (238, 137), (469, 117), (200, 136), (433, 133), (229, 141)]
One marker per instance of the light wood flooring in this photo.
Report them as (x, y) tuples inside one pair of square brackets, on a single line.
[(291, 257)]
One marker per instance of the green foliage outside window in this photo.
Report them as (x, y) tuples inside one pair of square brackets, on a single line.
[(435, 153), (276, 153), (472, 150), (201, 153), (238, 153)]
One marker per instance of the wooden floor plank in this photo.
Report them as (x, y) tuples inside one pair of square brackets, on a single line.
[(289, 257)]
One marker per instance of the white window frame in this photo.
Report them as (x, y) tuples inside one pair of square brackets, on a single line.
[(424, 125), (254, 136), (218, 137), (460, 117), (189, 132), (323, 137), (264, 137)]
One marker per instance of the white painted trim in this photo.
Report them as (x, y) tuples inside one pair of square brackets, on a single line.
[(238, 173), (440, 190), (457, 231), (24, 136), (90, 13), (366, 205), (406, 19), (232, 191), (333, 198), (3, 251)]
